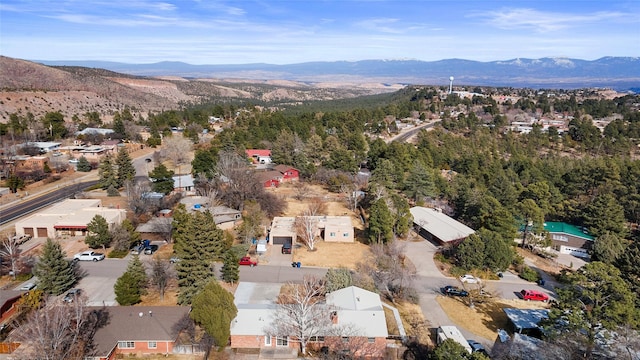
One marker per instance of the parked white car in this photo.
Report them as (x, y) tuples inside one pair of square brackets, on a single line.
[(469, 279), (88, 256)]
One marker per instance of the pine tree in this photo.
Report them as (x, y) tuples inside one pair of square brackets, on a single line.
[(230, 268), (107, 174), (198, 243), (213, 309), (83, 165), (138, 273), (126, 171), (380, 228), (118, 126), (162, 179), (420, 183), (126, 289), (55, 273), (99, 234)]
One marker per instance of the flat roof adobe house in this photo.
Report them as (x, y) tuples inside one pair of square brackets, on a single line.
[(432, 224), (569, 239), (69, 217)]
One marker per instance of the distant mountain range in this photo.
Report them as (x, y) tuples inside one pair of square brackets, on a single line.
[(620, 73)]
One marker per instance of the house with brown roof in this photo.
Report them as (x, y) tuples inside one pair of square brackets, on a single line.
[(289, 173), (270, 179), (9, 305), (138, 331)]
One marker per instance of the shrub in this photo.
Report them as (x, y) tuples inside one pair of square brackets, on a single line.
[(529, 274), (118, 254)]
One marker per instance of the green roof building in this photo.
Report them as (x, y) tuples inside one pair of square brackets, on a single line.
[(569, 239)]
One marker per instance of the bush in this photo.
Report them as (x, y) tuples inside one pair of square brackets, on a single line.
[(24, 277), (457, 271), (118, 254), (529, 274), (518, 260)]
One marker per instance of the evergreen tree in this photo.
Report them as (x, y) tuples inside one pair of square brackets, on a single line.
[(380, 228), (338, 278), (605, 214), (198, 243), (608, 248), (420, 183), (83, 164), (118, 126), (498, 253), (107, 174), (213, 309), (98, 233), (55, 273), (470, 253), (230, 267), (126, 171), (127, 290), (402, 218), (162, 179), (138, 273)]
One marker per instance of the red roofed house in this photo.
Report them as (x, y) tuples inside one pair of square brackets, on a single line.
[(259, 156), (289, 173), (270, 178)]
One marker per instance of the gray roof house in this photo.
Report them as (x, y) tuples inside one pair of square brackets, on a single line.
[(432, 224)]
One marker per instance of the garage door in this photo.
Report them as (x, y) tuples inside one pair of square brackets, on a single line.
[(42, 232), (28, 231), (279, 240)]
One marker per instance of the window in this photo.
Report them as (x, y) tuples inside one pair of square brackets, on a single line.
[(559, 237), (332, 234), (345, 339), (152, 345), (371, 340), (267, 340), (345, 235), (316, 339), (126, 344), (282, 341)]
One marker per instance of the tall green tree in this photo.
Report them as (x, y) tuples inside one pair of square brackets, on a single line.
[(162, 179), (138, 273), (337, 278), (125, 170), (126, 289), (53, 122), (198, 243), (380, 229), (470, 253), (596, 299), (608, 248), (420, 183), (107, 174), (605, 214), (213, 309), (55, 273), (83, 164), (98, 233), (230, 268)]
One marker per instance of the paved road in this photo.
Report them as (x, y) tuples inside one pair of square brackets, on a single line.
[(429, 280), (27, 206)]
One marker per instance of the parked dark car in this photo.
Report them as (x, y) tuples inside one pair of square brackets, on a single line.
[(72, 294), (477, 347), (150, 249), (454, 291), (286, 248)]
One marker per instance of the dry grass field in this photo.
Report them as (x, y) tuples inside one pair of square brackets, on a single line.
[(329, 254), (485, 319)]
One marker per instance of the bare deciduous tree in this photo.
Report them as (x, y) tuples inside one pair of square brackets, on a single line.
[(177, 149), (161, 273), (302, 313), (10, 252), (306, 227), (317, 206), (301, 190), (58, 330), (139, 203)]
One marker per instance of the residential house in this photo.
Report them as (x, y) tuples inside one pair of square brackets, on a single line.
[(356, 314), (526, 320), (329, 228), (184, 183), (69, 217), (270, 179), (137, 331), (44, 146), (30, 163), (569, 239), (9, 306), (289, 173), (259, 156), (433, 225), (97, 131)]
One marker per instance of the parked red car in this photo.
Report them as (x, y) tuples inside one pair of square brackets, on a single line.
[(247, 261), (534, 295)]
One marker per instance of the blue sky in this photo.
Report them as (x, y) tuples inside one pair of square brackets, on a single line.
[(293, 31)]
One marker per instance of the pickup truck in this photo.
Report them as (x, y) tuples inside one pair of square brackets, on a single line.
[(88, 256)]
